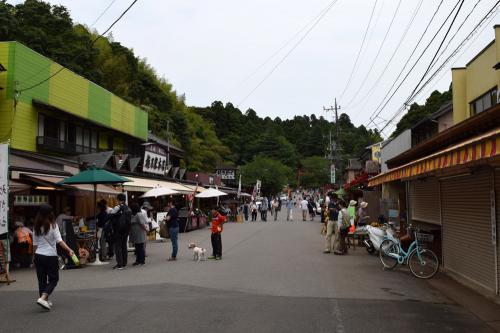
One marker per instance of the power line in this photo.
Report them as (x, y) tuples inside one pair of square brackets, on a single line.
[(489, 14), (91, 44), (288, 53), (382, 105), (103, 12), (363, 82), (359, 51), (278, 51), (396, 49)]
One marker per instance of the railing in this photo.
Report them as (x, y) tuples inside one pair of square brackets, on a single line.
[(63, 146)]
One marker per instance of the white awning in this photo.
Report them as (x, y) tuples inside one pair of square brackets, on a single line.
[(144, 185)]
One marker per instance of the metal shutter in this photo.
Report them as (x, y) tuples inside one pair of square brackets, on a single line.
[(424, 200), (467, 248), (497, 205)]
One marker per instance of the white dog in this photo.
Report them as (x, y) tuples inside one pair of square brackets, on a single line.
[(199, 253)]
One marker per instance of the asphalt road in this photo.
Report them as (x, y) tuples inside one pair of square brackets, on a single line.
[(273, 278)]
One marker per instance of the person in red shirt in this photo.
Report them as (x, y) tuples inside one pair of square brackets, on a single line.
[(217, 226)]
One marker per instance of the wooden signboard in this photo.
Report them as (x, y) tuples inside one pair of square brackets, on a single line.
[(4, 269)]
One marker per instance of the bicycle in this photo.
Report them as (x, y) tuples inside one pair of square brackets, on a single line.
[(423, 263)]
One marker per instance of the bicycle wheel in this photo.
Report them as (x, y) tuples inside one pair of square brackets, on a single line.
[(424, 264), (388, 249)]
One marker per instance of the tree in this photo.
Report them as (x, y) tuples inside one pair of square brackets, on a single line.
[(273, 174), (315, 172)]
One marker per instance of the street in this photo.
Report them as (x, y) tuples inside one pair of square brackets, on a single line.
[(273, 277)]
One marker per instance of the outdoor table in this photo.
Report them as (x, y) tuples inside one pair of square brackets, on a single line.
[(360, 235)]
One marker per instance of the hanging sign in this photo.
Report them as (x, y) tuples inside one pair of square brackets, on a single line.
[(154, 160), (4, 188), (332, 174)]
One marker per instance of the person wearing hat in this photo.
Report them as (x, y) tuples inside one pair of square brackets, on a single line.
[(361, 215), (145, 209), (352, 210)]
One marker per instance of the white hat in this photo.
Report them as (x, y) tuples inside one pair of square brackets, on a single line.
[(364, 204), (352, 203)]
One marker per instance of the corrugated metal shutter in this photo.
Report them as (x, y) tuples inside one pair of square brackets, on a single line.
[(424, 200), (497, 204), (467, 248)]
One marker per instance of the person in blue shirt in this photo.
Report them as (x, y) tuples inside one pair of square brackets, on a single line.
[(173, 229)]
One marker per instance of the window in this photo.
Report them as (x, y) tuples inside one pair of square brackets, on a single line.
[(484, 102), (49, 127), (93, 140), (79, 136)]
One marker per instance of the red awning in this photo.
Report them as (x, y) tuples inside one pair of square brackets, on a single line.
[(361, 178)]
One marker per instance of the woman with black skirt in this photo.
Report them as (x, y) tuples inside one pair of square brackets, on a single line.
[(45, 239)]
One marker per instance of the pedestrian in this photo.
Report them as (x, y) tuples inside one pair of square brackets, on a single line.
[(173, 229), (245, 210), (352, 211), (271, 206), (330, 227), (275, 208), (361, 215), (45, 240), (138, 230), (263, 209), (120, 217), (218, 220), (254, 211), (341, 229), (303, 206), (289, 209), (311, 205)]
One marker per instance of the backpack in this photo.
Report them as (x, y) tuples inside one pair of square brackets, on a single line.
[(122, 220), (346, 219)]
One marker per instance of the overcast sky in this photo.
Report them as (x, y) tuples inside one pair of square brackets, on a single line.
[(217, 50)]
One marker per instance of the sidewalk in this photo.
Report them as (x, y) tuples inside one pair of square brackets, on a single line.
[(483, 308)]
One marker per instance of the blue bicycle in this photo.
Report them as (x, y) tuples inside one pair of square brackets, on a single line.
[(423, 263)]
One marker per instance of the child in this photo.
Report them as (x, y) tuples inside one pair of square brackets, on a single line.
[(217, 226)]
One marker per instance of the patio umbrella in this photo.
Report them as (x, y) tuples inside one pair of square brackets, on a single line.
[(210, 193), (158, 192), (94, 176)]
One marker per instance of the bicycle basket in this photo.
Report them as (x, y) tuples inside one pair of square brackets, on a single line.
[(425, 238)]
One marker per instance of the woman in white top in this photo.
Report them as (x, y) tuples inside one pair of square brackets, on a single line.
[(45, 238)]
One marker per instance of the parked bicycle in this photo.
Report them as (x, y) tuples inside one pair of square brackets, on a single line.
[(423, 263)]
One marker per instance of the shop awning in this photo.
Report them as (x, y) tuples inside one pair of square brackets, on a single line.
[(51, 182), (361, 178), (481, 147), (144, 185)]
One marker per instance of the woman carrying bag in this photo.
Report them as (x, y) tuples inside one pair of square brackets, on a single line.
[(45, 240), (137, 236)]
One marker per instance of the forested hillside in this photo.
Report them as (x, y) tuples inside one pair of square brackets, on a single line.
[(219, 133)]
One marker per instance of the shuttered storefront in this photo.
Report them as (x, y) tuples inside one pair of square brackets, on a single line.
[(424, 200), (497, 204), (466, 224)]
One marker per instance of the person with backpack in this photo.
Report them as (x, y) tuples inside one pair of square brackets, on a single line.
[(342, 229), (120, 217)]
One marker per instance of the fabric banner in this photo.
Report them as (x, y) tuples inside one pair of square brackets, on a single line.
[(4, 188)]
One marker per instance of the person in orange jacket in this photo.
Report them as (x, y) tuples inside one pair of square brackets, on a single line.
[(218, 221)]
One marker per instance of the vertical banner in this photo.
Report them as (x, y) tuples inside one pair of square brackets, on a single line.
[(332, 173), (4, 188)]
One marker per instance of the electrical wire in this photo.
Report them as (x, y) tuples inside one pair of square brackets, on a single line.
[(278, 51), (382, 105), (363, 82), (288, 53), (103, 12), (359, 51), (488, 15), (396, 49), (91, 44)]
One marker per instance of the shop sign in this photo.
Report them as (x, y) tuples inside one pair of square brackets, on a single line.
[(30, 200), (154, 163), (4, 188), (226, 174), (332, 174)]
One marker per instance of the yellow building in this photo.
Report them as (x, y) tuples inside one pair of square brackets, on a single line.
[(475, 86)]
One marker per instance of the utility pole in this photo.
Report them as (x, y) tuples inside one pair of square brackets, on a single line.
[(335, 157), (168, 144)]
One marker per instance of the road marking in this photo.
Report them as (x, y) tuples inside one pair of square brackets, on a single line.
[(338, 315)]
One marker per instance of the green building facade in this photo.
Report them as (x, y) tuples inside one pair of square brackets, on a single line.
[(67, 114)]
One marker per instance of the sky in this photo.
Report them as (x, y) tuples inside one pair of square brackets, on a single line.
[(284, 58)]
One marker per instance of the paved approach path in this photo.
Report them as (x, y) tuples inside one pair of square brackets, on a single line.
[(273, 278)]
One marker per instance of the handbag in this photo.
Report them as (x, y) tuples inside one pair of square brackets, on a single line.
[(164, 230)]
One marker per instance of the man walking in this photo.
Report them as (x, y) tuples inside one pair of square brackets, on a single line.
[(263, 209), (289, 209), (121, 217), (173, 229), (304, 207)]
